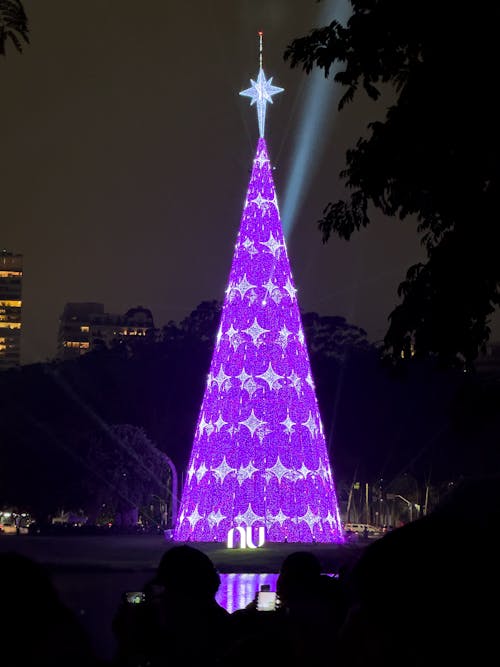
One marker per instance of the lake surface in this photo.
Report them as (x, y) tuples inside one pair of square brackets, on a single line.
[(237, 590)]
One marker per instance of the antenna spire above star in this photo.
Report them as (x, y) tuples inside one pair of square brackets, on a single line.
[(261, 92)]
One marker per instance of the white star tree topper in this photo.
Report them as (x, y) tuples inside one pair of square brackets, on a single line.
[(261, 92)]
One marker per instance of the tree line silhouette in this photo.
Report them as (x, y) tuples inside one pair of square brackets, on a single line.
[(60, 446)]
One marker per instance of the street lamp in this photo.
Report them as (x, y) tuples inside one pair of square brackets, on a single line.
[(173, 493), (393, 496)]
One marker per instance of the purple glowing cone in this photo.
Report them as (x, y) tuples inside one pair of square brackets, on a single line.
[(259, 455)]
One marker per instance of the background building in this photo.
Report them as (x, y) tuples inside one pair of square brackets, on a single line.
[(74, 328), (11, 278), (85, 326)]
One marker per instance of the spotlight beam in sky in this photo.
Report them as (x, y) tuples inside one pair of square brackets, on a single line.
[(319, 104)]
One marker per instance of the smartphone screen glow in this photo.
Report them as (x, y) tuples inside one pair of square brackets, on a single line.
[(266, 601)]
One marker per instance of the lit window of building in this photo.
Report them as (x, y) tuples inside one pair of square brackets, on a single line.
[(76, 344), (10, 303), (11, 271), (11, 274)]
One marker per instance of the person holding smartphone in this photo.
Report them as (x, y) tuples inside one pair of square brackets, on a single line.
[(175, 619), (258, 628)]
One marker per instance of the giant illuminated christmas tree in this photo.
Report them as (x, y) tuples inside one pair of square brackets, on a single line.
[(259, 455)]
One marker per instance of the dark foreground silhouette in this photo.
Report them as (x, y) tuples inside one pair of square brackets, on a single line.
[(180, 622), (424, 594), (38, 630), (311, 607)]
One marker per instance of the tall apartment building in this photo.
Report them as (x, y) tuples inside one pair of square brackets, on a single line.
[(11, 280), (85, 326)]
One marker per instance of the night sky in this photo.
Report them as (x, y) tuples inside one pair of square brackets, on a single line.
[(126, 154)]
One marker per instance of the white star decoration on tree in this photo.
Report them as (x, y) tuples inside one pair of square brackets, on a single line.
[(243, 286), (252, 423), (250, 386), (271, 377), (205, 426), (290, 288), (247, 382), (222, 379), (330, 519), (276, 296), (262, 203), (223, 470), (270, 287), (278, 470), (191, 472), (261, 92), (305, 471), (250, 247), (311, 425), (219, 423), (248, 518), (310, 518), (310, 380), (200, 473), (214, 518), (194, 517), (323, 472), (255, 331), (295, 382), (252, 296), (273, 245), (278, 518), (243, 377), (235, 339), (245, 473), (288, 424), (283, 336)]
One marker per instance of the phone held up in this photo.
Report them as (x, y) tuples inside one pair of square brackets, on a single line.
[(135, 597), (266, 599)]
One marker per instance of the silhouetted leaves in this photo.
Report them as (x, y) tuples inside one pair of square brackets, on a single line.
[(13, 25), (434, 157)]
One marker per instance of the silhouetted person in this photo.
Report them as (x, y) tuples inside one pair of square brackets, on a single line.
[(255, 632), (426, 593), (314, 604), (180, 622), (38, 630), (303, 628)]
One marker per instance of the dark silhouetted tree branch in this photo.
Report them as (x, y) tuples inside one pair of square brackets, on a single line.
[(435, 156), (13, 25)]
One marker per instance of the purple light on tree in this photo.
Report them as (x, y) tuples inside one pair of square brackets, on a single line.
[(259, 456)]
